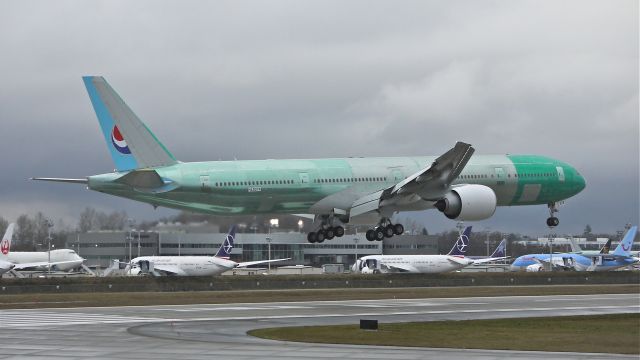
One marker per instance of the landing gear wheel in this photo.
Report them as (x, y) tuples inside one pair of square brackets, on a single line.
[(378, 234), (388, 231), (370, 235), (553, 221), (329, 233), (398, 229), (312, 237), (339, 231), (321, 236)]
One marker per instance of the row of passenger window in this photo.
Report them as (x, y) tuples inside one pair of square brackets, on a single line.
[(253, 183), (485, 176), (358, 179), (349, 180)]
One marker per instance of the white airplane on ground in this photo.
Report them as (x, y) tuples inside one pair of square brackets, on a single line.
[(62, 259), (454, 260), (192, 265), (576, 249)]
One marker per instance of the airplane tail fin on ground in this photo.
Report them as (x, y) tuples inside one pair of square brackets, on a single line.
[(605, 249), (500, 250), (624, 248), (575, 247), (227, 245), (5, 244), (460, 247), (131, 144)]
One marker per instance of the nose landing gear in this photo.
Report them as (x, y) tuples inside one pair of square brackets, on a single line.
[(552, 221)]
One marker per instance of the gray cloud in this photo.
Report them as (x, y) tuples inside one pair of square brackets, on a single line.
[(288, 79)]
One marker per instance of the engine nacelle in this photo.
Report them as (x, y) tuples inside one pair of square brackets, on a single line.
[(468, 202), (535, 268)]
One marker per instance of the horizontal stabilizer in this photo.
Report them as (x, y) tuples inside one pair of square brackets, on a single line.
[(73, 181), (148, 181)]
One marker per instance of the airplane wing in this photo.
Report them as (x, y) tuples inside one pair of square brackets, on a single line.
[(459, 260), (400, 268), (545, 262), (249, 263), (488, 260), (170, 269), (41, 264), (430, 183)]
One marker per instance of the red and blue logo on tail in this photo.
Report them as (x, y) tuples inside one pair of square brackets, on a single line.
[(118, 141)]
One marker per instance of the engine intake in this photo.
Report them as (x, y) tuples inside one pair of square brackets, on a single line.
[(468, 202)]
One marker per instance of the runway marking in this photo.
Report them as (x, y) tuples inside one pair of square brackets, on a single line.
[(10, 319), (342, 302), (239, 308), (39, 319)]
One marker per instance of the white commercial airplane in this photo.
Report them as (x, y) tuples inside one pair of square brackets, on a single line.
[(454, 260), (192, 265), (62, 259)]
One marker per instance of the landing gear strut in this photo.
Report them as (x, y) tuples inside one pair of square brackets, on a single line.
[(385, 229), (552, 221)]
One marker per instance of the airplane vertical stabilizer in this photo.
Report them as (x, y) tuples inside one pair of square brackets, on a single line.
[(5, 244), (624, 248), (460, 247), (227, 245), (500, 250), (131, 143)]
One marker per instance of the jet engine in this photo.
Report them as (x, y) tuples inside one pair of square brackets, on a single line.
[(468, 202), (535, 268)]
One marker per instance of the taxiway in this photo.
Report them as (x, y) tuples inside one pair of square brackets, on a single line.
[(210, 331)]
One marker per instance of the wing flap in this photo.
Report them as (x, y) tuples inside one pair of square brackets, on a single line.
[(430, 183)]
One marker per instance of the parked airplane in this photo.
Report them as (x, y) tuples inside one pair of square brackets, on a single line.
[(192, 265), (356, 191), (61, 259), (576, 249), (454, 260), (621, 257)]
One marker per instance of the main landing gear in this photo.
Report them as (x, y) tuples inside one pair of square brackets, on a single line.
[(325, 233), (385, 229), (552, 221)]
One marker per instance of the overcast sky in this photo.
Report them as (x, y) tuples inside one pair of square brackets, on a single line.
[(303, 79)]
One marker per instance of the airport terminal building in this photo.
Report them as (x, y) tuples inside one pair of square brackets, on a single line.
[(100, 248)]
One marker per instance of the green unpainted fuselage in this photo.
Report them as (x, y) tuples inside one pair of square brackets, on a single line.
[(318, 186)]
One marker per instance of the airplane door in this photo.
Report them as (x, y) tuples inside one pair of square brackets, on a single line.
[(204, 183), (560, 171), (499, 176), (304, 179), (397, 175)]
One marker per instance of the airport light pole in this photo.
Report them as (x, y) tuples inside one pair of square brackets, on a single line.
[(78, 243), (355, 241), (131, 223), (138, 242), (268, 239), (49, 224), (488, 230), (551, 238)]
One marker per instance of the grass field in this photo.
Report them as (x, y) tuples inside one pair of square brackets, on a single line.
[(221, 297), (619, 333)]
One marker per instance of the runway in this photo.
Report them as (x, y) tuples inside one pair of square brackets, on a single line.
[(219, 331)]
